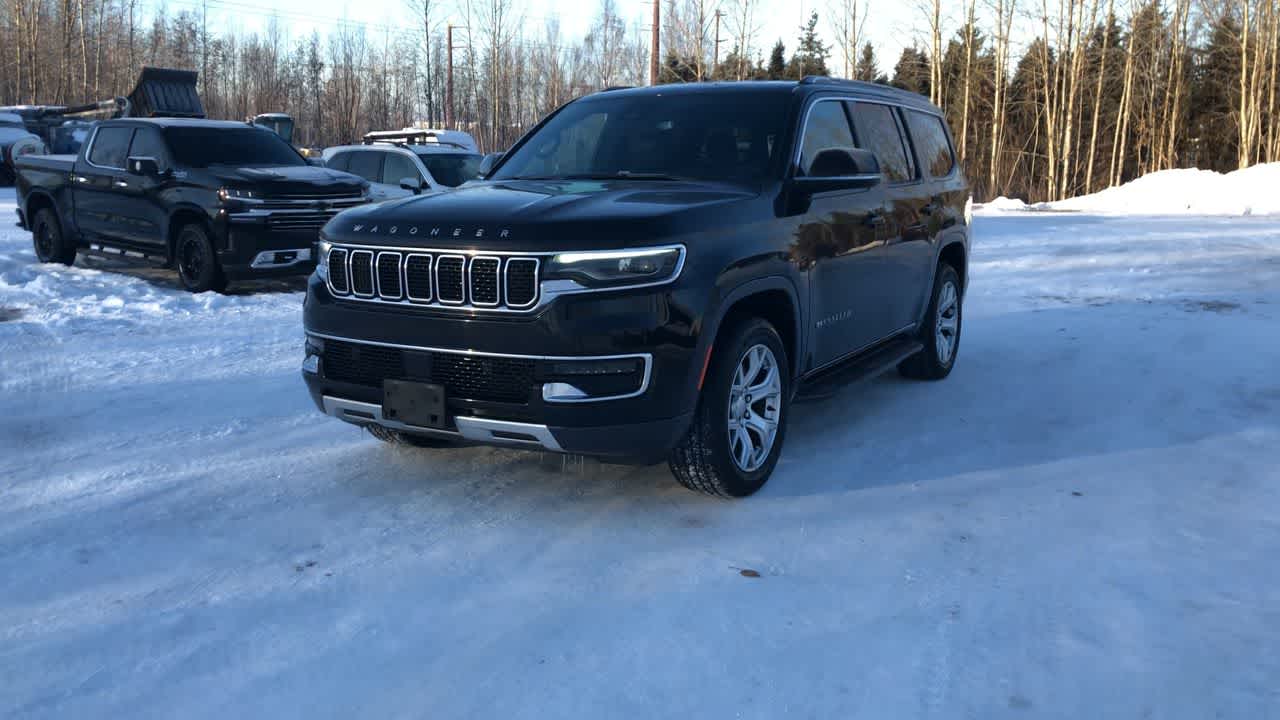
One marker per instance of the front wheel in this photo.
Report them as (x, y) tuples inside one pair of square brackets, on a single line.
[(736, 436), (197, 263)]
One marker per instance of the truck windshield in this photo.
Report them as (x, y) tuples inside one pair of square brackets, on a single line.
[(202, 147), (730, 137)]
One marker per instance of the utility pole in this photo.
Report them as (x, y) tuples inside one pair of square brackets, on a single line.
[(448, 78), (653, 50), (715, 50)]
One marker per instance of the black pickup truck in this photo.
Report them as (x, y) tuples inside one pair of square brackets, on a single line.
[(650, 274), (218, 200)]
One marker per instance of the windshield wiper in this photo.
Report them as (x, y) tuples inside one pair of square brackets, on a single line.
[(620, 175)]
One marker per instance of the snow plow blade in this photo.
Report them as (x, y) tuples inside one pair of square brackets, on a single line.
[(164, 92)]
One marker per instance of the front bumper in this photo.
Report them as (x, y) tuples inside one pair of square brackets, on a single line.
[(639, 423), (252, 248)]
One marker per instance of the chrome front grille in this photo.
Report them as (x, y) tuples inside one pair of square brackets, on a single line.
[(433, 278)]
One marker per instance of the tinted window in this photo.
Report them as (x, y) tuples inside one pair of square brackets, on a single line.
[(878, 132), (148, 143), (705, 136), (339, 161), (201, 147), (827, 127), (111, 147), (932, 146), (396, 167), (451, 170), (367, 164)]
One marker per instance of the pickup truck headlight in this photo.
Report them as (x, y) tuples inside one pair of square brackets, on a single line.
[(617, 268), (225, 194), (322, 259)]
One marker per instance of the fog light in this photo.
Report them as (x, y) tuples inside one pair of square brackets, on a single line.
[(561, 392), (311, 365)]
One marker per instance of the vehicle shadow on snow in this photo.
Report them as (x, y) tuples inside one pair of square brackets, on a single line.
[(168, 278)]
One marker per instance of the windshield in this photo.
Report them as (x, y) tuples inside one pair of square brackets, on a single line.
[(451, 170), (201, 147), (708, 136)]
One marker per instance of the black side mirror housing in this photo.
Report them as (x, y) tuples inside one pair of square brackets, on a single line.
[(488, 163), (415, 185), (841, 169), (144, 166)]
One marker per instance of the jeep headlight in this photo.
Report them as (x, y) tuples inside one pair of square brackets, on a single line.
[(617, 268), (322, 259)]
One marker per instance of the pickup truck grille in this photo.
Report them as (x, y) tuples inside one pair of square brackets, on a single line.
[(299, 221), (467, 377), (433, 278)]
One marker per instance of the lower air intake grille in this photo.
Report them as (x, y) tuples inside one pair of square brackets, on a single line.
[(467, 377)]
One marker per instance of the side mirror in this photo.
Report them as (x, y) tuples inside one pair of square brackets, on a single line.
[(415, 185), (487, 163), (841, 169), (144, 166), (315, 161)]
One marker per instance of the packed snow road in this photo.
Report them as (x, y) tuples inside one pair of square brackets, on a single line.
[(1083, 521)]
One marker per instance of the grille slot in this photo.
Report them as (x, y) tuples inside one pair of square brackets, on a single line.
[(522, 282), (417, 277), (389, 285), (338, 271), (450, 279), (362, 272), (466, 377), (484, 281)]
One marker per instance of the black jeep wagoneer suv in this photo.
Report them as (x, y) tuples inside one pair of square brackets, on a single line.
[(650, 274)]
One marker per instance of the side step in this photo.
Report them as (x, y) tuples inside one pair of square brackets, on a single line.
[(858, 369)]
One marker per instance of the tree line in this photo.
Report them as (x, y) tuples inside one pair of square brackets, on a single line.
[(1046, 99)]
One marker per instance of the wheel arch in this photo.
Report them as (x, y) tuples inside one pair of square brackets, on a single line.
[(180, 217), (773, 298), (39, 200)]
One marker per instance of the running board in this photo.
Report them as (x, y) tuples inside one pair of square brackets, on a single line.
[(858, 369)]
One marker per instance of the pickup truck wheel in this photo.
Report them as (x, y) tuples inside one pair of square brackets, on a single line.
[(51, 245), (736, 436), (940, 331), (395, 437), (196, 261)]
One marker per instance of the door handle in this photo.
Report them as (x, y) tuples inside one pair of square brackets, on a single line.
[(119, 184), (79, 179)]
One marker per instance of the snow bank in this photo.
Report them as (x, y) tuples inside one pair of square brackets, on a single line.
[(1252, 191)]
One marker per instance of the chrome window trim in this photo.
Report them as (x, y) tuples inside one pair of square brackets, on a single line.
[(377, 273), (498, 279), (436, 276), (537, 284), (431, 265), (645, 380), (372, 271), (346, 255), (903, 132)]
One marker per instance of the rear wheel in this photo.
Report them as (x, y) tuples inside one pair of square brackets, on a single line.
[(395, 437), (736, 436), (50, 244), (197, 263), (940, 331)]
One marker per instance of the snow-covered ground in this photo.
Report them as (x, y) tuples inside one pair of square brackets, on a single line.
[(1083, 521)]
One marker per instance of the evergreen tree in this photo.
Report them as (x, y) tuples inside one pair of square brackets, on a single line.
[(912, 71), (777, 68), (867, 69), (811, 53)]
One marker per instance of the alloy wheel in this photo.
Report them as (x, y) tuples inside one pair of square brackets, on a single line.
[(755, 408), (947, 327)]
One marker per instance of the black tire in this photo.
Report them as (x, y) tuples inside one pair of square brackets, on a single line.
[(51, 245), (704, 459), (931, 363), (395, 437), (196, 261)]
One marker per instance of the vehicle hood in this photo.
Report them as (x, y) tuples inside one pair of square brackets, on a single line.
[(541, 215), (286, 179)]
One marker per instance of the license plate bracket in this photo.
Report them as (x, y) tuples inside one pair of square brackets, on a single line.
[(414, 403)]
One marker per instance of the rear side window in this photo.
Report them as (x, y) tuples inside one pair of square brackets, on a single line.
[(111, 147), (339, 161), (932, 146), (148, 143), (827, 127), (878, 132), (367, 164), (396, 167)]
